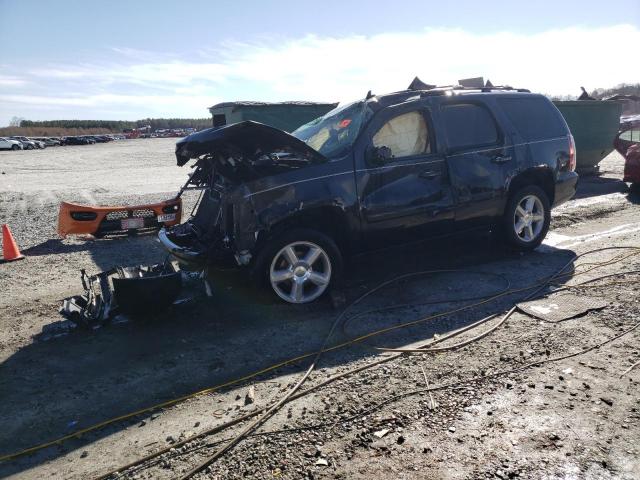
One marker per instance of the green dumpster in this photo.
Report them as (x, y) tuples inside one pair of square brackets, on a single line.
[(593, 124), (286, 116)]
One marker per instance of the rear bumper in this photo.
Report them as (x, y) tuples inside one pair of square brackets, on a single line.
[(565, 187)]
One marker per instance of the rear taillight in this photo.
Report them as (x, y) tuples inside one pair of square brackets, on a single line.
[(571, 164)]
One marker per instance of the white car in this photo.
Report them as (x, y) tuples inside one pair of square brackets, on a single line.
[(38, 143), (26, 143), (7, 144)]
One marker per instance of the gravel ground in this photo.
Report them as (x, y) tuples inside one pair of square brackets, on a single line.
[(575, 418)]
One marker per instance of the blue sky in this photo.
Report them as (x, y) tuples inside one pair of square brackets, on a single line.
[(135, 59)]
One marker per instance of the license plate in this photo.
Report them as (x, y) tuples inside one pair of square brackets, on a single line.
[(129, 223), (167, 217)]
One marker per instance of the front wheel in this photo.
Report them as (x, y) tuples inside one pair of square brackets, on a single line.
[(300, 265), (29, 147), (15, 147), (526, 218)]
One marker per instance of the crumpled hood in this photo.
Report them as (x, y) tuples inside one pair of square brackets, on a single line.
[(252, 139)]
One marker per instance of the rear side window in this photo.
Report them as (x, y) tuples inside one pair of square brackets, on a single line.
[(534, 118), (469, 125)]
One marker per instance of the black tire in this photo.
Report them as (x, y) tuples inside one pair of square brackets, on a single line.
[(269, 252), (29, 147), (508, 226), (15, 147)]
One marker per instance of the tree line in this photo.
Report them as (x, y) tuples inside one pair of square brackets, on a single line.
[(120, 125)]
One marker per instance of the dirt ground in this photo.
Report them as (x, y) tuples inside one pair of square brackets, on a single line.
[(572, 418)]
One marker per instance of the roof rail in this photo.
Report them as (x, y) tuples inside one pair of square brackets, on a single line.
[(442, 90)]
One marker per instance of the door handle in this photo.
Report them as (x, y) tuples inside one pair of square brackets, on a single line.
[(501, 159), (429, 175)]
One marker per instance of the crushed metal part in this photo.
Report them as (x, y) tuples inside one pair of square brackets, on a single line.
[(561, 307), (123, 290)]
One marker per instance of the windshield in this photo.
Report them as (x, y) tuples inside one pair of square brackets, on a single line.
[(333, 134)]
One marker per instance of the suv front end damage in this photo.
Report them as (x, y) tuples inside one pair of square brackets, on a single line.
[(232, 163)]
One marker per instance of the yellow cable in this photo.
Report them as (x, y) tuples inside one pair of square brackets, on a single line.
[(249, 376)]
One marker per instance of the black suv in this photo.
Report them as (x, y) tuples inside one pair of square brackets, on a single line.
[(384, 170)]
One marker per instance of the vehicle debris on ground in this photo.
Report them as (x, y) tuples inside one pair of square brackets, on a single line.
[(74, 219), (139, 290)]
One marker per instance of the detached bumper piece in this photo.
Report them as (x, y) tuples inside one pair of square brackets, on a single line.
[(140, 290), (75, 219)]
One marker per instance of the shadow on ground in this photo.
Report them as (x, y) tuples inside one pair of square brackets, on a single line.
[(595, 185), (49, 389)]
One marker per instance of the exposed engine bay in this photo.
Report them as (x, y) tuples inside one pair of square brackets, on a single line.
[(232, 163)]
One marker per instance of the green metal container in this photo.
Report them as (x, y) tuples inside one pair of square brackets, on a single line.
[(593, 124), (286, 116)]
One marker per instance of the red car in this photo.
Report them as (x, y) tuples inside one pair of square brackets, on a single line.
[(627, 142)]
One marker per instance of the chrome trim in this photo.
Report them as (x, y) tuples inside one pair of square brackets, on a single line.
[(398, 165), (177, 250)]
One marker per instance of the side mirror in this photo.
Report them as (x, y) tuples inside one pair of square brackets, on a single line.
[(379, 155)]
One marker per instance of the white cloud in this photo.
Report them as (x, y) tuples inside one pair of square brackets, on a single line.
[(331, 68), (555, 61), (10, 81)]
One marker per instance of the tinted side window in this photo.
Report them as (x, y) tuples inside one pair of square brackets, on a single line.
[(405, 135), (469, 125), (534, 118)]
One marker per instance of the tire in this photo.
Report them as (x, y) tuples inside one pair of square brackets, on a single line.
[(29, 147), (300, 282), (15, 147), (534, 203)]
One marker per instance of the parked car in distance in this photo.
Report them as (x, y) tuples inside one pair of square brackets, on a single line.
[(49, 142), (78, 141), (26, 143), (9, 144), (38, 143), (381, 171)]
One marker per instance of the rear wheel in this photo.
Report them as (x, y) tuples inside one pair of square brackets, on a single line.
[(15, 147), (526, 218), (300, 265)]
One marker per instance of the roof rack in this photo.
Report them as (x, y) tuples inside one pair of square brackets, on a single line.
[(457, 88)]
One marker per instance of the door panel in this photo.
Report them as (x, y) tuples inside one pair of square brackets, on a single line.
[(478, 180), (407, 198), (404, 193), (478, 158)]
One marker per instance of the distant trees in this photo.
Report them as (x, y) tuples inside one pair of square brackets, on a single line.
[(120, 125), (629, 107), (168, 123), (105, 125), (622, 89)]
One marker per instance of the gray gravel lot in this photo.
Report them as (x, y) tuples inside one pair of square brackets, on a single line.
[(575, 418)]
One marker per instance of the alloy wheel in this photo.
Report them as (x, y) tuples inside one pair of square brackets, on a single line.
[(528, 219), (300, 272)]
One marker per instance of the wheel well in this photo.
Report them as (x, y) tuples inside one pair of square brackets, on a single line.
[(541, 177), (328, 220)]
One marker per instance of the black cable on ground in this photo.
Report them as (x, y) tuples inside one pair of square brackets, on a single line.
[(301, 357), (547, 280), (273, 409), (418, 391)]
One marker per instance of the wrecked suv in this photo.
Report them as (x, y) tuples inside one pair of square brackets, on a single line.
[(377, 172)]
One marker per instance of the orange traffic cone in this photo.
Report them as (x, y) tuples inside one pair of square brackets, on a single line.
[(10, 250)]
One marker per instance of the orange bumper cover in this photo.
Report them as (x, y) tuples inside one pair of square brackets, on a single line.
[(74, 219)]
